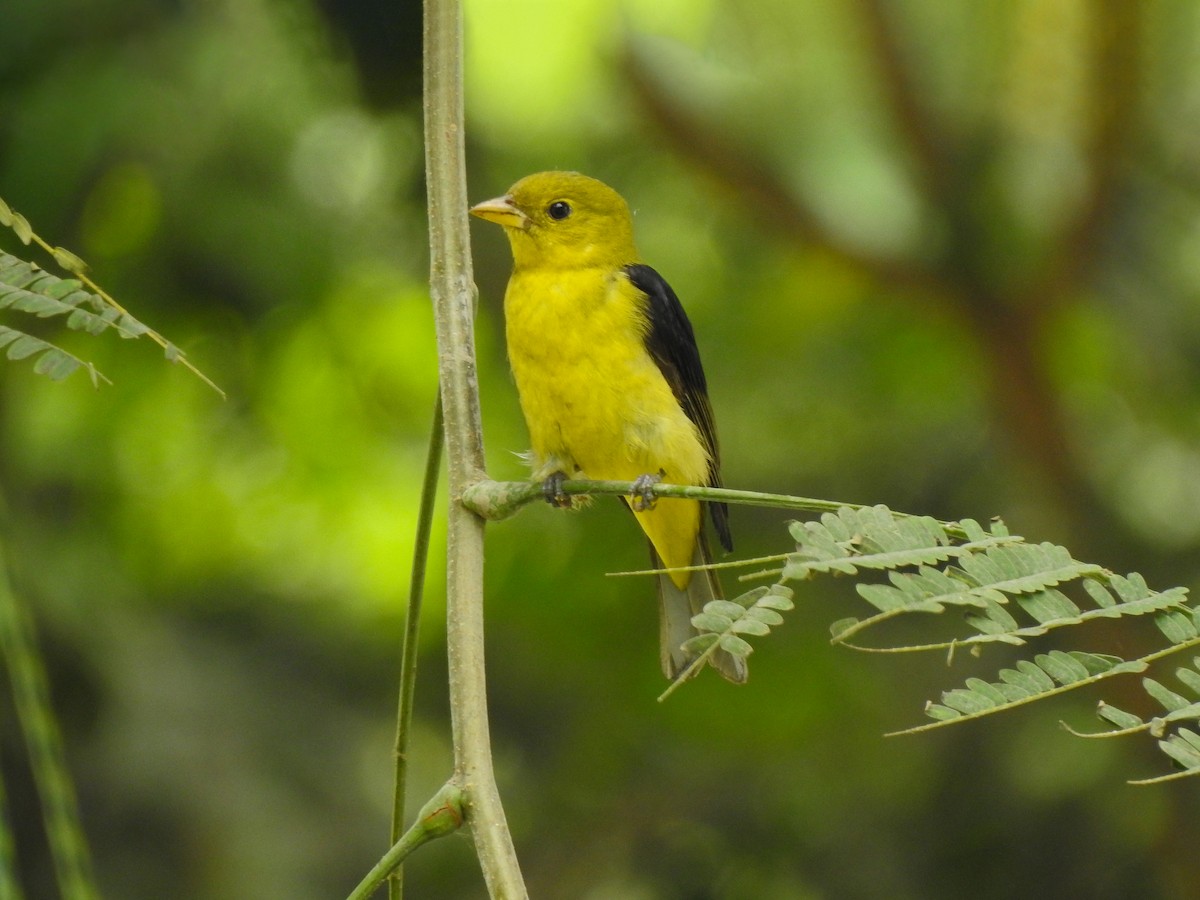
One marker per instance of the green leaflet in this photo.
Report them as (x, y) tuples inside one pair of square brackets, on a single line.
[(1184, 748), (725, 625), (1171, 701), (29, 289), (1123, 720), (25, 287), (1178, 626), (1051, 673), (865, 538), (1006, 590), (994, 574), (52, 361), (1009, 591)]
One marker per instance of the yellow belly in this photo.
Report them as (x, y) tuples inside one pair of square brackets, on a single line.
[(595, 402)]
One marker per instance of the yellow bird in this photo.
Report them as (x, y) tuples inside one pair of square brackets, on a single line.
[(610, 379)]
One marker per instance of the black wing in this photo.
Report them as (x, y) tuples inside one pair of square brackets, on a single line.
[(672, 345)]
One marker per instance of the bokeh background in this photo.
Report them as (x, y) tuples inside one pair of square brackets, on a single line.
[(944, 256)]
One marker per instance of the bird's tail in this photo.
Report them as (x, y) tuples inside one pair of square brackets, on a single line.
[(677, 606)]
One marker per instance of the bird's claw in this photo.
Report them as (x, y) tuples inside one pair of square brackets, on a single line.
[(642, 498), (553, 492)]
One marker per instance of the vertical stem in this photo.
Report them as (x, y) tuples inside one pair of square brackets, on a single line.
[(452, 291), (31, 697), (9, 888), (412, 633)]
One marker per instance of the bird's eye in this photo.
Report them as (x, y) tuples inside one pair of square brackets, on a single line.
[(559, 209)]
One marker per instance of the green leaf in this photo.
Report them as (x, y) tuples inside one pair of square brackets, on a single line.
[(838, 527), (1022, 681), (1129, 667), (25, 346), (780, 602), (1170, 701), (747, 625), (726, 608), (1189, 677), (884, 597), (996, 619), (1098, 592), (1184, 748), (1011, 591), (1130, 587), (765, 615), (56, 364), (81, 320), (707, 621), (1023, 568), (870, 538), (1123, 720), (1034, 676), (734, 645), (1011, 692), (941, 713), (1062, 667), (129, 327), (697, 644), (967, 701), (841, 626), (973, 530), (1177, 626), (25, 287), (1048, 605), (20, 226), (69, 261), (748, 599), (984, 689), (724, 622), (1095, 663)]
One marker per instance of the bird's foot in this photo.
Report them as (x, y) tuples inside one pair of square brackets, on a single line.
[(553, 492), (642, 498)]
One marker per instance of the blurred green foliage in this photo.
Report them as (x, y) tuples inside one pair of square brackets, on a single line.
[(940, 256)]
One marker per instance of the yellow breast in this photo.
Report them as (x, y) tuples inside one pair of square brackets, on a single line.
[(596, 404)]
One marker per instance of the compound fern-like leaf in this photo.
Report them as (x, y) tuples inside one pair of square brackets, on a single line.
[(725, 625), (51, 361)]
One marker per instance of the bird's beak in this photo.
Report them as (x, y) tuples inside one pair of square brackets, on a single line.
[(502, 211)]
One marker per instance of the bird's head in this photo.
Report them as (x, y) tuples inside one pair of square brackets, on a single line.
[(563, 220)]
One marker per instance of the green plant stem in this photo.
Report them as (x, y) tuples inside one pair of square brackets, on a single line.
[(441, 816), (31, 697), (496, 500), (9, 888), (452, 290), (1126, 668), (412, 635), (412, 630)]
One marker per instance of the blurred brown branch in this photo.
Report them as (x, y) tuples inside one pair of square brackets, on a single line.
[(1008, 321), (749, 180), (930, 148), (1115, 86)]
